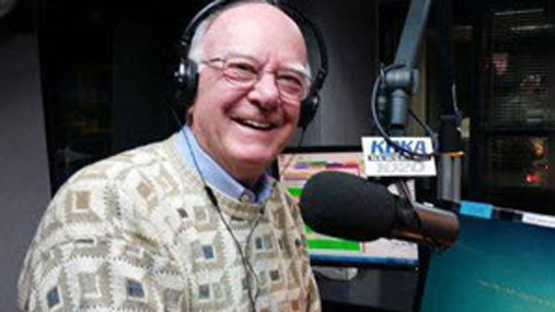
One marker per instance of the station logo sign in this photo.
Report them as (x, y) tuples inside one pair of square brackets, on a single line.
[(382, 160)]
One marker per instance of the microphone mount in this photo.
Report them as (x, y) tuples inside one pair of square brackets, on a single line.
[(397, 83), (401, 82)]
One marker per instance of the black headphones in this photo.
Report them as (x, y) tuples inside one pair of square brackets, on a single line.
[(186, 73)]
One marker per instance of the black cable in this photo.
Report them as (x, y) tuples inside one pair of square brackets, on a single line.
[(426, 128), (282, 171), (180, 124), (432, 241), (249, 270), (374, 103), (249, 236), (213, 199)]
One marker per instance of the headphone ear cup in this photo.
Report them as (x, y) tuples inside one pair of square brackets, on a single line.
[(186, 84), (309, 107)]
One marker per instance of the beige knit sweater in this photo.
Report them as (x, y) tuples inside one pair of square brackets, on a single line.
[(136, 232)]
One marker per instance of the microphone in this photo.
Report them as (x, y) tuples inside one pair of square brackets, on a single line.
[(349, 207)]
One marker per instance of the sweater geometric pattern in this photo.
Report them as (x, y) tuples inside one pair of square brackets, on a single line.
[(136, 232)]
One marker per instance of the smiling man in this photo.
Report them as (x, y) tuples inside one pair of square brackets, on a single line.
[(192, 223), (253, 79)]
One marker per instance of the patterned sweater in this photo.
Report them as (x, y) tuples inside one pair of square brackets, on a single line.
[(136, 232)]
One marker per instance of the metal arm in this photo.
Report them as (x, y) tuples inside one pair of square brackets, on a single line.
[(402, 81)]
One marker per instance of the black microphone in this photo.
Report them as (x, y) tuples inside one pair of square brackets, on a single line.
[(346, 206)]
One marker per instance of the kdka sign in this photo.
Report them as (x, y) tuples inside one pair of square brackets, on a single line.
[(381, 159)]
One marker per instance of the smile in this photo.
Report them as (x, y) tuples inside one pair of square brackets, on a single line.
[(262, 126)]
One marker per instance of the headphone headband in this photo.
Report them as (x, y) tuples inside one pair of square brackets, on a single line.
[(186, 74)]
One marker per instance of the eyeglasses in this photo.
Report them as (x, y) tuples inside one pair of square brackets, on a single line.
[(245, 72)]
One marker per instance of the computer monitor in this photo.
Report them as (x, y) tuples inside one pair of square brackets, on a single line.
[(500, 262), (296, 166)]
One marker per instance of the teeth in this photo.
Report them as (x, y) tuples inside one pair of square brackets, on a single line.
[(258, 125)]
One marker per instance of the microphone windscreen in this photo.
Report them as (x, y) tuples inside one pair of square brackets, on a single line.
[(346, 206)]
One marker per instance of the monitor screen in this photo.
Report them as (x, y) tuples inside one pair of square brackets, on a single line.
[(496, 265), (296, 167)]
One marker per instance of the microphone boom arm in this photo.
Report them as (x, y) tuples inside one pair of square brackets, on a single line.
[(401, 82)]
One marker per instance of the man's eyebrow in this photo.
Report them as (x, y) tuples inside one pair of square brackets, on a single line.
[(294, 67), (301, 69), (242, 55)]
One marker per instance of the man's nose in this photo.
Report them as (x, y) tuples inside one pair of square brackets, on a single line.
[(265, 92)]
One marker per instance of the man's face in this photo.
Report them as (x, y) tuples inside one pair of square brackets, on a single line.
[(244, 129)]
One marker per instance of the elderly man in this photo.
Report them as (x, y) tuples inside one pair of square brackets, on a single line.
[(191, 223)]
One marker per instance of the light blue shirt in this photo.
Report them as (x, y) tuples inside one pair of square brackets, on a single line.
[(216, 177)]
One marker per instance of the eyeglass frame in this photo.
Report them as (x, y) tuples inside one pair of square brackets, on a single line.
[(304, 77)]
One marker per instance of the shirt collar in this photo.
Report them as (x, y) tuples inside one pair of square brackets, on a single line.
[(216, 177)]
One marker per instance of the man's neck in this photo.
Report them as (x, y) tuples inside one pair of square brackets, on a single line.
[(215, 175), (247, 174)]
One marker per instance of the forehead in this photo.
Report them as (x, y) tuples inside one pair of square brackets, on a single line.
[(259, 30)]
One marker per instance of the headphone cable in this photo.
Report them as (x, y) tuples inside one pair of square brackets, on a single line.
[(249, 270)]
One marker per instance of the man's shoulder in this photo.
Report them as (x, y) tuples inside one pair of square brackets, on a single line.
[(286, 205), (285, 196), (140, 176), (117, 166), (104, 209), (112, 193), (143, 161)]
